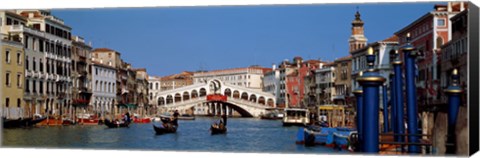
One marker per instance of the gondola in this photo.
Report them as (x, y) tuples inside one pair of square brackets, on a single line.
[(111, 124), (218, 130), (162, 130)]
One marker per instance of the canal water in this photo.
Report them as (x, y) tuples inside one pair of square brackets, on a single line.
[(243, 135)]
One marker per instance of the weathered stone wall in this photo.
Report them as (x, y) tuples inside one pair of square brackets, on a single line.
[(440, 134), (461, 132)]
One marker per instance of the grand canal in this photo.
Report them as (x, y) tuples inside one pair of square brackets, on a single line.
[(244, 135)]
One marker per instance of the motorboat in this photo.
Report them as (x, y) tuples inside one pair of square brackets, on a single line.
[(296, 116)]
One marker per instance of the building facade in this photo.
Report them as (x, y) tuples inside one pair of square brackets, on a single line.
[(454, 54), (141, 92), (428, 33), (343, 81), (176, 81), (12, 78), (153, 89), (325, 80), (104, 88), (249, 77), (81, 72)]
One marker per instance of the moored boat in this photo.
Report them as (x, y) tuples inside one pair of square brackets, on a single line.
[(142, 120), (116, 124), (315, 135)]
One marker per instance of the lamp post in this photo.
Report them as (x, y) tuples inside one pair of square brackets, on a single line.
[(410, 55), (398, 91), (370, 81), (359, 96), (453, 91), (393, 107)]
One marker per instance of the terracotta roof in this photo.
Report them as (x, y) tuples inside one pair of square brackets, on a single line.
[(139, 69), (103, 50), (182, 75), (393, 38), (344, 58)]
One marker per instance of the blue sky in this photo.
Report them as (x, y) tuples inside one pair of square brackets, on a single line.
[(169, 40)]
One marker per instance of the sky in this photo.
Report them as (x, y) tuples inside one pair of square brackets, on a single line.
[(169, 40)]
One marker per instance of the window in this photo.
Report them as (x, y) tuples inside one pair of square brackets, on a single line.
[(19, 102), (41, 65), (7, 79), (441, 22), (34, 65), (26, 42), (19, 80), (41, 86), (9, 21), (7, 56), (19, 56), (7, 102), (34, 86), (41, 45), (27, 86)]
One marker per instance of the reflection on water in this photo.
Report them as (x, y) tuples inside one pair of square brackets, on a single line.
[(243, 135)]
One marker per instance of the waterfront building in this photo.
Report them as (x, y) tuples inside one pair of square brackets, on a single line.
[(325, 80), (112, 57), (454, 54), (271, 82), (47, 62), (285, 68), (428, 33), (81, 72), (249, 77), (104, 87), (176, 81), (343, 81), (12, 76), (295, 81), (153, 89), (141, 92)]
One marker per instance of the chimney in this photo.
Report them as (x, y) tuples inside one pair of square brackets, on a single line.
[(320, 65), (274, 67), (449, 7)]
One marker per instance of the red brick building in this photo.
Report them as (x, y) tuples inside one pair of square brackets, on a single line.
[(295, 81), (428, 33)]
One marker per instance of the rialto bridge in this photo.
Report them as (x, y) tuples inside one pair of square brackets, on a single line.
[(208, 98)]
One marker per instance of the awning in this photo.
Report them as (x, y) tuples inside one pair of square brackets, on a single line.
[(127, 105)]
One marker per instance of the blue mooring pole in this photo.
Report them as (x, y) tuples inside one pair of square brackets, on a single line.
[(398, 87), (453, 91), (385, 109), (393, 107), (359, 96), (410, 55), (370, 81)]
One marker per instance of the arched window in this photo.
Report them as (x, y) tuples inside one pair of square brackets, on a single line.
[(439, 42)]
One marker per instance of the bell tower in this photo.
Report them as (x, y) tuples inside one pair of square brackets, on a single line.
[(357, 39)]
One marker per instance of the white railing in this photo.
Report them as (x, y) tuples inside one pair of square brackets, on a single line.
[(182, 103)]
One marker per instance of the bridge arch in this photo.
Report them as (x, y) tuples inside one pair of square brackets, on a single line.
[(186, 96), (261, 100), (228, 92), (178, 97), (203, 92), (194, 94), (161, 101), (236, 94), (169, 99), (245, 95), (253, 98)]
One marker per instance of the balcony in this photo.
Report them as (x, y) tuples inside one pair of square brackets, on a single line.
[(28, 73), (21, 28)]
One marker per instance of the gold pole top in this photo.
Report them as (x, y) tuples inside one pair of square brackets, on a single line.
[(360, 73), (455, 72), (370, 51), (408, 35)]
